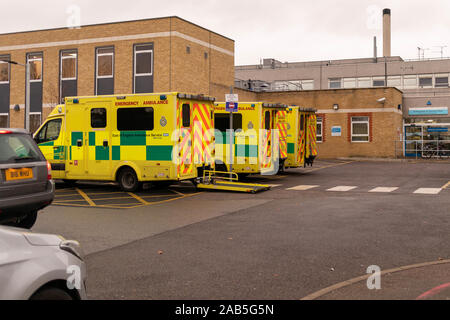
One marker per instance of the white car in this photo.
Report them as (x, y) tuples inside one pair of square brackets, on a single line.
[(40, 266)]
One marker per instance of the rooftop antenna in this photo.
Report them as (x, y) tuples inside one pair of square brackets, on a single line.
[(441, 51), (421, 52)]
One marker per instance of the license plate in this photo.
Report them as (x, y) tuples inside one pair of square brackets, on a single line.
[(19, 174)]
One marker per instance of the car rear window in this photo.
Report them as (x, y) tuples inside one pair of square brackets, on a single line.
[(16, 148)]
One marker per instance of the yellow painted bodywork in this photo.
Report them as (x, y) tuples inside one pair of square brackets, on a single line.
[(301, 136), (88, 153), (253, 150)]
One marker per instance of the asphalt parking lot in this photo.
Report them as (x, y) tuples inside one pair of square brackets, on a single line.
[(313, 235)]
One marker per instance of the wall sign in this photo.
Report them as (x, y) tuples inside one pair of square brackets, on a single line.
[(336, 131), (428, 111)]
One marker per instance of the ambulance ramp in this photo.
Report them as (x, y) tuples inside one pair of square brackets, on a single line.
[(226, 181)]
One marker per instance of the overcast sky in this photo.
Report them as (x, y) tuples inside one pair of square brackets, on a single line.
[(289, 30)]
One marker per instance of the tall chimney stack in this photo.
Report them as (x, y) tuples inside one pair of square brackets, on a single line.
[(386, 32)]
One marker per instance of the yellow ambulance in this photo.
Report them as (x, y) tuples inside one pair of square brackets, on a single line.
[(256, 148), (160, 137), (300, 136)]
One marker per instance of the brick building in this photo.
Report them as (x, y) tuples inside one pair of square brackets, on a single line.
[(152, 55)]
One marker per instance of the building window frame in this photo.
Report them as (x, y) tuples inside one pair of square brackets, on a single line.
[(97, 55), (380, 82), (319, 121), (31, 122), (7, 119), (422, 77), (335, 81), (6, 57), (30, 62), (136, 52), (62, 57), (354, 121), (442, 84)]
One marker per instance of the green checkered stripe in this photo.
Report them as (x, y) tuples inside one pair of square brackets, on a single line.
[(119, 148)]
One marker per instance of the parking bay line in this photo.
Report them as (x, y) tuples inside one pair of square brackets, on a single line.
[(446, 185), (86, 197)]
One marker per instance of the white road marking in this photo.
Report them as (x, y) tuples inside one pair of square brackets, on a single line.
[(273, 185), (428, 191), (302, 187), (384, 189), (342, 188)]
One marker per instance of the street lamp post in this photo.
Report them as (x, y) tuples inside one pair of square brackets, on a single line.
[(27, 96)]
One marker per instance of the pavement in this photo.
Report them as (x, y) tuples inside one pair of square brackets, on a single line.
[(312, 236)]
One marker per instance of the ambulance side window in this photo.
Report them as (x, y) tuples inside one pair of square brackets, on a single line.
[(135, 119), (222, 121), (302, 122), (98, 118), (267, 120), (186, 114), (49, 132)]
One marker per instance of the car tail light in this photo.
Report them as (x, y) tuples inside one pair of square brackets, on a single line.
[(49, 171), (5, 132)]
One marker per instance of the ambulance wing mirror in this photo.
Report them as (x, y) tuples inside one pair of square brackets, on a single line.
[(79, 143)]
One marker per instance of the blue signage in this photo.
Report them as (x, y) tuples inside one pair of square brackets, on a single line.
[(231, 107), (428, 111), (437, 129)]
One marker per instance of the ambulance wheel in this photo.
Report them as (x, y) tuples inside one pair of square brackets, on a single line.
[(128, 180)]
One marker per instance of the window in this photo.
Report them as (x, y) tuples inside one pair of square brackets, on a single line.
[(4, 120), (394, 81), (68, 74), (35, 61), (68, 65), (441, 81), (378, 81), (410, 82), (135, 119), (143, 68), (49, 132), (302, 122), (18, 146), (105, 62), (293, 85), (4, 71), (98, 118), (222, 121), (308, 84), (319, 131), (426, 81), (349, 82), (186, 115), (143, 60), (267, 120), (35, 121), (364, 82), (335, 83), (360, 129)]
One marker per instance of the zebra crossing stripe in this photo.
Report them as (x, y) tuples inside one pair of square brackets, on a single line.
[(302, 187), (342, 188), (428, 191), (384, 189)]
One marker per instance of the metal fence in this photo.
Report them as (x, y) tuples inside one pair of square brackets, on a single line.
[(426, 149)]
